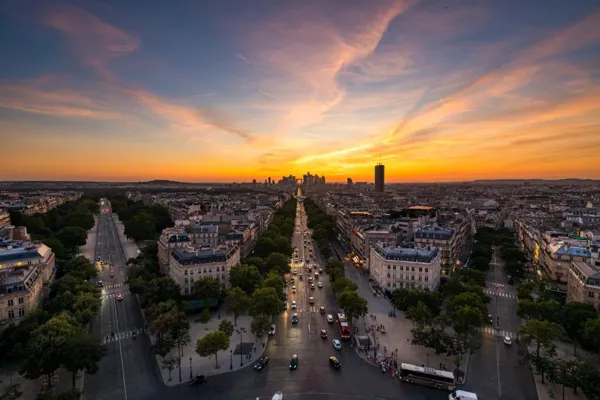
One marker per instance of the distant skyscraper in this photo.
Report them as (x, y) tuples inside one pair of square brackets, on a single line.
[(379, 177), (349, 181)]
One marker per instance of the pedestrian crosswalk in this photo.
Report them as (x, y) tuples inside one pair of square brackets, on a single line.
[(491, 284), (115, 295), (310, 309), (119, 336), (491, 292), (498, 332), (114, 286)]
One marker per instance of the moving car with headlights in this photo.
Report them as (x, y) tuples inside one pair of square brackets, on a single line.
[(295, 319), (294, 362), (311, 300), (322, 310), (120, 298), (294, 306), (312, 285), (507, 340), (323, 334), (272, 330), (337, 344), (330, 318), (320, 284), (261, 363)]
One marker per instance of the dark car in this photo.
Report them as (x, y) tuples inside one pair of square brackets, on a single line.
[(294, 362), (490, 319), (335, 363), (261, 363), (323, 334), (295, 319)]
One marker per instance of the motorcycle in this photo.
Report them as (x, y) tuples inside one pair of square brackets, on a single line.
[(134, 335), (198, 380)]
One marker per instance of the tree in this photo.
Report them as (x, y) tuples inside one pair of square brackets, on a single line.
[(211, 344), (403, 299), (573, 318), (237, 302), (57, 247), (341, 283), (162, 218), (141, 227), (206, 289), (420, 315), (176, 328), (16, 218), (154, 310), (226, 326), (258, 262), (169, 363), (82, 353), (470, 276), (260, 325), (275, 281), (80, 218), (205, 317), (542, 335), (11, 393), (47, 345), (246, 277), (73, 394), (86, 306), (265, 301), (465, 321), (72, 237), (278, 262), (353, 304), (591, 333), (79, 267), (161, 289)]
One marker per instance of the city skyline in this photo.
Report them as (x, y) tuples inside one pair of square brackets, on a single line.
[(192, 92)]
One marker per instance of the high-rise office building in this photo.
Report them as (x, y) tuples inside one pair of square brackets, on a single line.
[(349, 181), (379, 177)]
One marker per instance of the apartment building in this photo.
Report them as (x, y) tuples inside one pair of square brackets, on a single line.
[(189, 263), (169, 239), (4, 217), (396, 267), (450, 240), (558, 256), (583, 283), (362, 237), (26, 270)]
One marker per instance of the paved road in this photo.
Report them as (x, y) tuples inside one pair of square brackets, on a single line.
[(494, 370), (128, 371)]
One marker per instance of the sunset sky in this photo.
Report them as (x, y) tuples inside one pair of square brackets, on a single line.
[(223, 90)]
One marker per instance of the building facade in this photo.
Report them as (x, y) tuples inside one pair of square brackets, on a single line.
[(26, 271), (395, 267), (189, 264), (450, 241), (379, 178), (583, 284)]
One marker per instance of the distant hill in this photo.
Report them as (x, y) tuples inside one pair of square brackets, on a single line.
[(163, 182), (568, 181)]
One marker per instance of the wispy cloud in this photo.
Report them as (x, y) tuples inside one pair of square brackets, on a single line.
[(267, 94), (244, 59)]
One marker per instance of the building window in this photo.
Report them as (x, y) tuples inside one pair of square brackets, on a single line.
[(426, 279), (204, 270), (185, 272), (10, 302), (185, 281), (420, 269), (21, 312), (591, 294), (426, 270), (11, 314), (186, 291), (223, 276), (21, 300)]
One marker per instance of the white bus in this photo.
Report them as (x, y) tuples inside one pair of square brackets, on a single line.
[(426, 376)]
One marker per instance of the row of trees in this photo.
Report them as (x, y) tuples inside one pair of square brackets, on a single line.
[(278, 237), (322, 226), (56, 336), (547, 321), (348, 299), (63, 229), (142, 222), (448, 322), (483, 250)]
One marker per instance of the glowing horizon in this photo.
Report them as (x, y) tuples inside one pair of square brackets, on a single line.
[(197, 93)]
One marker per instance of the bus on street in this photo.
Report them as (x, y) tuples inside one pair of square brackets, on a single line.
[(426, 376)]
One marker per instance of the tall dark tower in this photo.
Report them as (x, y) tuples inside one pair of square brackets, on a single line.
[(379, 177)]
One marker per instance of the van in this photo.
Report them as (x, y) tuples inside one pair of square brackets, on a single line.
[(277, 396), (462, 395)]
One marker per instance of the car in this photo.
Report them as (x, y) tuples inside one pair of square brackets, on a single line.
[(310, 278), (98, 259), (100, 284), (490, 319), (292, 280), (334, 362), (320, 284), (294, 305), (294, 272), (293, 289), (311, 300), (120, 298), (295, 319), (272, 330), (320, 270), (337, 344), (330, 318), (316, 275), (312, 285), (294, 361), (323, 334), (322, 310), (261, 363), (277, 396), (507, 340)]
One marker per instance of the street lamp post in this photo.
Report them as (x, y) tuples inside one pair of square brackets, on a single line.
[(230, 359), (241, 333), (190, 367)]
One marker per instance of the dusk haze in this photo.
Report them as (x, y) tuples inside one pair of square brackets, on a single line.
[(221, 91)]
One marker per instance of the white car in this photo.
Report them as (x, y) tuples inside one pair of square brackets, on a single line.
[(293, 305), (507, 340), (337, 344), (319, 284), (293, 289), (330, 318), (272, 330)]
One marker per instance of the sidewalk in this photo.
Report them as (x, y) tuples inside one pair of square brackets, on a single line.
[(231, 359), (394, 346), (88, 250), (130, 248)]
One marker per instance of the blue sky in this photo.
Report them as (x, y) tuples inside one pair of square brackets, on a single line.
[(235, 90)]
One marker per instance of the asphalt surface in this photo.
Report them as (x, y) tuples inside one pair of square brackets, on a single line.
[(129, 370)]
